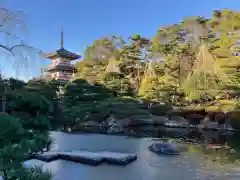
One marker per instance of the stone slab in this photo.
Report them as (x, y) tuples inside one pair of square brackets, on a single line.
[(90, 158)]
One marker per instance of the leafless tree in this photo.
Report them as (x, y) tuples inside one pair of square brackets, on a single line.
[(19, 53)]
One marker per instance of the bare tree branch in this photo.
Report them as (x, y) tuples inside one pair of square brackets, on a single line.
[(8, 17), (10, 21)]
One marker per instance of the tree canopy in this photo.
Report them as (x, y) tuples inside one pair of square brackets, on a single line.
[(196, 59)]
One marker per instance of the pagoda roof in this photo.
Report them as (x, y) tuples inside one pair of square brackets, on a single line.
[(62, 52), (59, 67)]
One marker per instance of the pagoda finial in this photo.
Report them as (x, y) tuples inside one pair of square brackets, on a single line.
[(62, 38)]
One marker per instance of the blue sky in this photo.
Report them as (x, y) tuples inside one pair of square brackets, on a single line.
[(84, 21)]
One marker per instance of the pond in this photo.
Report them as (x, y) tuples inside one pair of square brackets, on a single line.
[(195, 163)]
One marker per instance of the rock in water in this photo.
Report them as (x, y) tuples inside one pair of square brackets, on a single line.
[(162, 148), (90, 158)]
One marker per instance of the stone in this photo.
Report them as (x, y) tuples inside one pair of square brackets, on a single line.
[(125, 122), (195, 117), (118, 158), (47, 156), (139, 121), (213, 125), (205, 123), (177, 119), (93, 158), (89, 158), (159, 120), (112, 125), (91, 124)]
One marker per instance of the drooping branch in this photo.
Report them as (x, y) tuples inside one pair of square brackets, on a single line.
[(8, 18), (21, 53)]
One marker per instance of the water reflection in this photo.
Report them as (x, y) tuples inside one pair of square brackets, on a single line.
[(196, 161)]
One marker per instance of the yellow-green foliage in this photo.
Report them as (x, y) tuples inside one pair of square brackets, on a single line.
[(201, 68), (147, 85)]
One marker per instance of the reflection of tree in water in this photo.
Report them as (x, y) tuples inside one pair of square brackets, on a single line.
[(212, 137), (234, 142), (212, 164)]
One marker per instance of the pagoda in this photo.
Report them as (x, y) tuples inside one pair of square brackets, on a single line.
[(61, 68)]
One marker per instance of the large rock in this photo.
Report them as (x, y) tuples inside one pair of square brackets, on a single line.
[(140, 121), (91, 158), (90, 124), (159, 120), (112, 125), (195, 117), (124, 121), (208, 124), (177, 119)]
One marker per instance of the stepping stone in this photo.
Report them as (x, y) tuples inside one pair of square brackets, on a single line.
[(118, 158), (47, 156), (82, 157), (90, 158)]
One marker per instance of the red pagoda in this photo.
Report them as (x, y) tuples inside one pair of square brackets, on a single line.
[(61, 68)]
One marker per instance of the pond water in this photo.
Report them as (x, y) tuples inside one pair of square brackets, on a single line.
[(190, 165)]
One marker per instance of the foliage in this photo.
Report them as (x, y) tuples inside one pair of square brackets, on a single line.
[(16, 144), (81, 99), (24, 131), (24, 114), (192, 60)]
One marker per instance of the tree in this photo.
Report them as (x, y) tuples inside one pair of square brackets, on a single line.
[(194, 60), (16, 50), (81, 100), (16, 145), (25, 133), (117, 83)]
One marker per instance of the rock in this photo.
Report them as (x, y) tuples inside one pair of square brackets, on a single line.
[(176, 124), (159, 120), (139, 121), (124, 122), (112, 125), (90, 124), (178, 119), (115, 129), (195, 117), (212, 125), (90, 158)]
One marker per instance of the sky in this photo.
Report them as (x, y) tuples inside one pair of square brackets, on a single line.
[(84, 21)]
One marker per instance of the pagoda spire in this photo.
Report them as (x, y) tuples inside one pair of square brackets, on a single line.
[(62, 38)]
